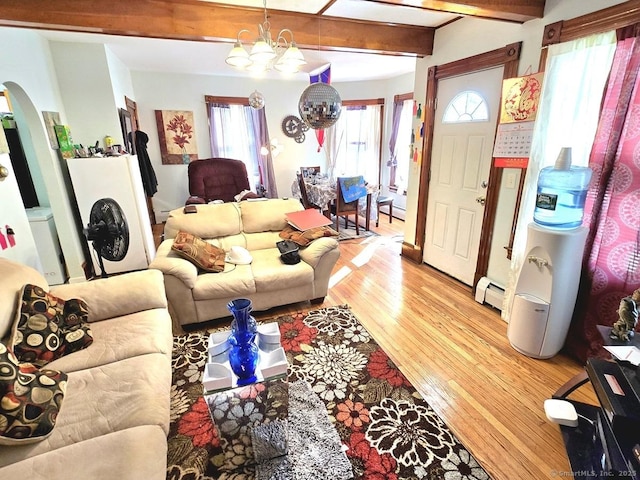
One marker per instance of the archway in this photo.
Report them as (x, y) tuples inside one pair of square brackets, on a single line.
[(58, 193)]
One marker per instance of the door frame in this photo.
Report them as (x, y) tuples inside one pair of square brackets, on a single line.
[(508, 57)]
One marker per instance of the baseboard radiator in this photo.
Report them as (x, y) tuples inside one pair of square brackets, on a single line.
[(489, 292)]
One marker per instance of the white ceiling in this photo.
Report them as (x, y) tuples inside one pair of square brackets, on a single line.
[(207, 58)]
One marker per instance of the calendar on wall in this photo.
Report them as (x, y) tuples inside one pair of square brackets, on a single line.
[(513, 143), (519, 106)]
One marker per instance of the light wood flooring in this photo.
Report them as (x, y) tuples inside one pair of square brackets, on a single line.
[(456, 353)]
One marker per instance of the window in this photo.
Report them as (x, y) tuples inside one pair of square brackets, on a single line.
[(359, 135), (467, 106), (399, 166), (239, 131), (232, 135)]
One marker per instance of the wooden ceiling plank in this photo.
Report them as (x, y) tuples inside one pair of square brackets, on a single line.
[(511, 10), (203, 21)]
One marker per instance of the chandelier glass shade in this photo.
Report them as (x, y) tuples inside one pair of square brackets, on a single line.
[(282, 54)]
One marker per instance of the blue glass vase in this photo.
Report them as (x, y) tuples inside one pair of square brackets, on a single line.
[(243, 354)]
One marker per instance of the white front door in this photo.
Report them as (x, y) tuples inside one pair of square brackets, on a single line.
[(460, 164)]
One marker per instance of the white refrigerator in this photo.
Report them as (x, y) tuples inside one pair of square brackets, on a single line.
[(97, 179), (16, 239)]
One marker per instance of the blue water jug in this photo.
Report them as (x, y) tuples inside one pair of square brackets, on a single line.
[(562, 191)]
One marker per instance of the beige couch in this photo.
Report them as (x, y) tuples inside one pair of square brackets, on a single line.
[(255, 225), (114, 419)]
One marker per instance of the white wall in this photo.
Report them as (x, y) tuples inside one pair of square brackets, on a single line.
[(87, 91), (465, 38), (27, 70), (121, 84), (162, 91)]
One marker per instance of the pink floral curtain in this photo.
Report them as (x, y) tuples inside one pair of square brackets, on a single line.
[(611, 265)]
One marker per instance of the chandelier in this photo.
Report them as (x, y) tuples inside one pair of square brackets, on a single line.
[(267, 53)]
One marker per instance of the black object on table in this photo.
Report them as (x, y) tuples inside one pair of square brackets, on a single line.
[(594, 450)]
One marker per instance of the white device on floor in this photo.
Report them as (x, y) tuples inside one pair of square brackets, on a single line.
[(561, 412)]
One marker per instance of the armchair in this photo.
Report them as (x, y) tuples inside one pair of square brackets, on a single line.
[(216, 179)]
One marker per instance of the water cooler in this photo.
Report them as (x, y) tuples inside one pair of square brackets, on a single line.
[(546, 290), (547, 286)]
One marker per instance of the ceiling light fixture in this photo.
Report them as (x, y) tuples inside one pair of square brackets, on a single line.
[(266, 53)]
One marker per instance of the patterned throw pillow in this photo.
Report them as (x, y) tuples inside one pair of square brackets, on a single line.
[(49, 327), (202, 254), (30, 400), (305, 238)]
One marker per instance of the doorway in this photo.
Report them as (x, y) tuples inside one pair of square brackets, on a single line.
[(463, 137), (506, 57)]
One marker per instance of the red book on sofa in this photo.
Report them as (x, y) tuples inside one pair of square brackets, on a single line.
[(307, 219)]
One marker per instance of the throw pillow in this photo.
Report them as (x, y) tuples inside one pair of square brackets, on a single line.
[(30, 400), (49, 327), (202, 254), (306, 237)]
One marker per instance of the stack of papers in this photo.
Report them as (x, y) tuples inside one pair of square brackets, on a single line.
[(624, 353), (307, 219)]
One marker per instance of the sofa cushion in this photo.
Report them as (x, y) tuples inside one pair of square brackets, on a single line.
[(101, 400), (122, 337), (237, 282), (132, 454), (48, 327), (205, 256), (305, 238), (270, 274), (13, 276), (30, 400), (264, 216), (225, 216)]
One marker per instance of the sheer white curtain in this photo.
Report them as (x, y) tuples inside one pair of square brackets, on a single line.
[(231, 137), (358, 131), (575, 76)]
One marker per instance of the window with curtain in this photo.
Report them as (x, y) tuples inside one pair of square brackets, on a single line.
[(238, 131), (575, 76), (400, 142), (358, 136)]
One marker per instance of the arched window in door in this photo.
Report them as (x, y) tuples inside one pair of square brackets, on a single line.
[(467, 106)]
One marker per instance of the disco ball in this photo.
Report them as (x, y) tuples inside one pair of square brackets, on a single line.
[(256, 100), (320, 105)]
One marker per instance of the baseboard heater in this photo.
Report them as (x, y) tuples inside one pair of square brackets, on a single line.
[(490, 293)]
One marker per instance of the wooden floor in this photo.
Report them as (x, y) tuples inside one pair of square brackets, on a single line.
[(456, 353)]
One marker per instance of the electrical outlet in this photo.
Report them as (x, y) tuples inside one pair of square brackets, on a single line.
[(510, 180)]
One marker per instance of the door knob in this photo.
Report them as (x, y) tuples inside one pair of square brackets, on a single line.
[(484, 184), (481, 200)]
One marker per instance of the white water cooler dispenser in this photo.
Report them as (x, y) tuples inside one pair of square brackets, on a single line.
[(546, 290)]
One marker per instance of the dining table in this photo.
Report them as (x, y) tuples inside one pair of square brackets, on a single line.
[(322, 191)]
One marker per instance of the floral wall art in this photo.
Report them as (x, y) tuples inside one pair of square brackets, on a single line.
[(177, 136)]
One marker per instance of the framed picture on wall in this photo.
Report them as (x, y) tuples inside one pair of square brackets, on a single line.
[(127, 131), (177, 136)]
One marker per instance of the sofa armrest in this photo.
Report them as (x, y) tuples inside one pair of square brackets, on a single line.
[(118, 295), (313, 253), (171, 264)]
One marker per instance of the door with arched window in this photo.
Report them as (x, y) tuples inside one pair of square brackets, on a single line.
[(463, 137)]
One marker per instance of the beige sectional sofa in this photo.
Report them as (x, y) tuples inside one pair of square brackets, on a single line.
[(114, 418), (255, 225)]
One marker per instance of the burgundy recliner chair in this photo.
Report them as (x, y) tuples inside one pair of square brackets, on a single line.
[(216, 179)]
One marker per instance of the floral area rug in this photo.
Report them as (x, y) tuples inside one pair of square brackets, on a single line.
[(389, 431)]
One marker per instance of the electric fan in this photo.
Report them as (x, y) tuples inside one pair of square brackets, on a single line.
[(109, 232)]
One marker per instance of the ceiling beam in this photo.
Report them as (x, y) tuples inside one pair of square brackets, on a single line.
[(512, 10), (204, 21)]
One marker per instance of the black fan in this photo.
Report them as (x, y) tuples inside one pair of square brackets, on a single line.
[(109, 232)]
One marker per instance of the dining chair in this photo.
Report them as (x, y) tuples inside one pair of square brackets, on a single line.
[(304, 197), (340, 208), (309, 171)]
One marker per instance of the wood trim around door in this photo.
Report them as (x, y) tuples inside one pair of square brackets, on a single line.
[(507, 57)]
